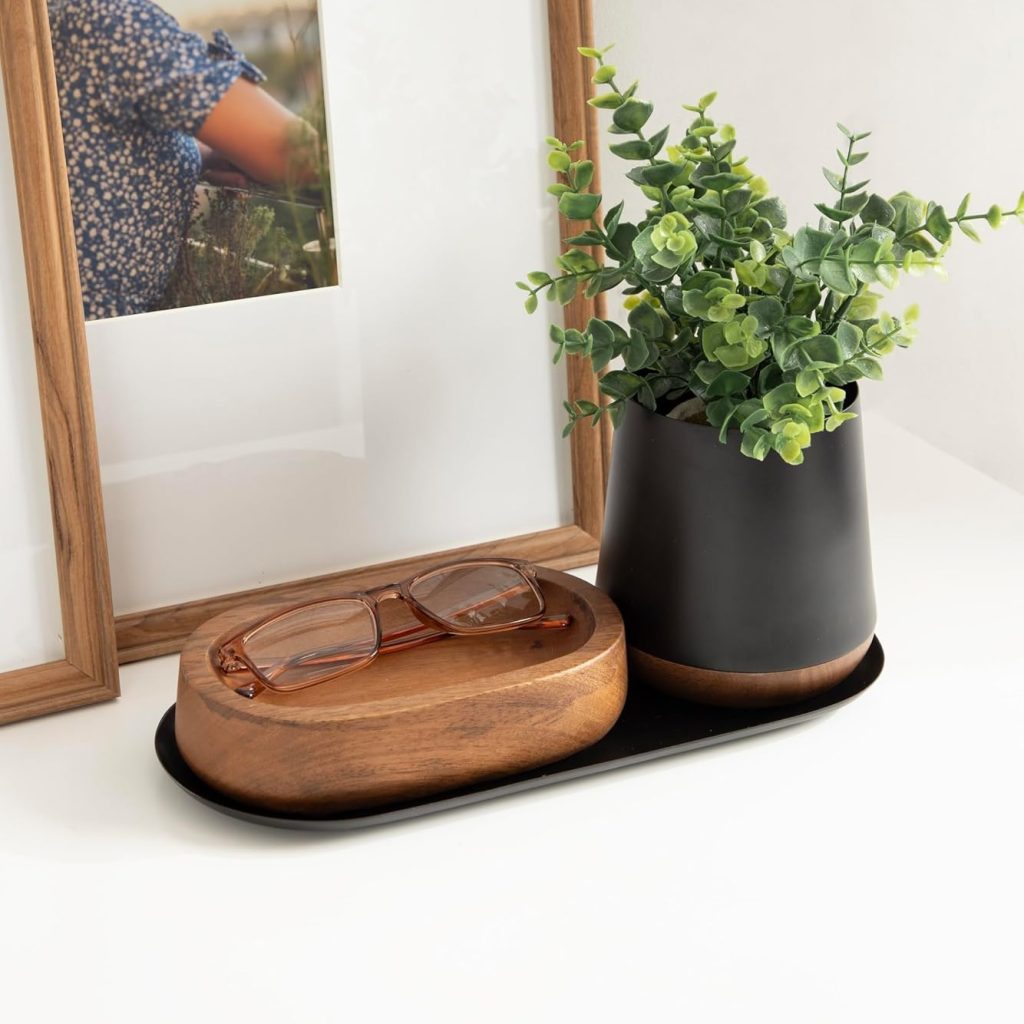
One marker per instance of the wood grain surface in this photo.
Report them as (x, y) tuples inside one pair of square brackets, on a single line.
[(89, 671), (742, 689), (445, 715)]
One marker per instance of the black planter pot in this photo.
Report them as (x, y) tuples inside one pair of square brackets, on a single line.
[(741, 583)]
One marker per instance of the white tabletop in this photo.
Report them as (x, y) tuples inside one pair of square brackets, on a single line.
[(866, 867)]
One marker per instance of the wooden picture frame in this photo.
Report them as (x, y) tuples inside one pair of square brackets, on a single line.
[(164, 630), (88, 674)]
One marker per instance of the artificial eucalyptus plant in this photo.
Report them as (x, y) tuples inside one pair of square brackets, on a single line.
[(732, 320)]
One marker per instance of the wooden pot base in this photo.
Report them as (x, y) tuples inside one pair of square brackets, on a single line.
[(742, 689), (441, 716)]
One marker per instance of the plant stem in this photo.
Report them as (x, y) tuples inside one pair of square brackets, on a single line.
[(841, 311), (639, 133)]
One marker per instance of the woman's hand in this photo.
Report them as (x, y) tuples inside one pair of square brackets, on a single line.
[(218, 170), (255, 134)]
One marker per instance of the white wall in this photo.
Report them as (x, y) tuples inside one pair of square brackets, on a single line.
[(29, 602), (939, 84)]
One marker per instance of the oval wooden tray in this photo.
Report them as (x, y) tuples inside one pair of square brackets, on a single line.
[(446, 715)]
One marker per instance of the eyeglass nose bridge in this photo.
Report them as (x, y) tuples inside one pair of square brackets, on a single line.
[(387, 592)]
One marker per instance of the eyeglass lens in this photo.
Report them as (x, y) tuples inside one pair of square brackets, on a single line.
[(484, 596)]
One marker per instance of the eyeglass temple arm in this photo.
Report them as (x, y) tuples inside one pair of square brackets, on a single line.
[(403, 639)]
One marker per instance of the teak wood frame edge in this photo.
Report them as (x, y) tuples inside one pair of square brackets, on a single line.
[(88, 674), (159, 631)]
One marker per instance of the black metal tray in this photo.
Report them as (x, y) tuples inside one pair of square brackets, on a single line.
[(651, 725)]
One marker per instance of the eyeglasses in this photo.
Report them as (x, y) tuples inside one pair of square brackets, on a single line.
[(312, 643)]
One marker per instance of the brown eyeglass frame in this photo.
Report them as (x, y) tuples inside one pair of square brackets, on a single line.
[(231, 656)]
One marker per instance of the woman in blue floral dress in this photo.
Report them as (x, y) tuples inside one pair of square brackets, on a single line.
[(143, 104)]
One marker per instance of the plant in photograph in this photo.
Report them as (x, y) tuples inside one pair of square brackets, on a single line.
[(732, 320)]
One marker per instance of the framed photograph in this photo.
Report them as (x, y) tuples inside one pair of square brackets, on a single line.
[(57, 633), (297, 228)]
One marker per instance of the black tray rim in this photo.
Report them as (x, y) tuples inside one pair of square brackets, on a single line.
[(863, 676)]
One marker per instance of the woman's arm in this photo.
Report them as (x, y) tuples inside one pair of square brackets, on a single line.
[(262, 137)]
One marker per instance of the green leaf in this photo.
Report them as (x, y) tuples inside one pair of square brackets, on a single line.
[(633, 115), (835, 272), (773, 210), (852, 159), (728, 382), (706, 100), (588, 51), (735, 357), (755, 416), (577, 206), (657, 140), (938, 225), (737, 200), (604, 74), (969, 231), (559, 160), (620, 384), (600, 331), (645, 319), (784, 394), (809, 243), (807, 382), (849, 338), (661, 173), (835, 180), (634, 149), (718, 182), (791, 452), (769, 312), (871, 368), (824, 350), (837, 419), (961, 210), (805, 298), (565, 289), (587, 238), (856, 203), (637, 352), (606, 101), (695, 303), (612, 217), (833, 213), (583, 174), (878, 211), (575, 342), (787, 338), (756, 443)]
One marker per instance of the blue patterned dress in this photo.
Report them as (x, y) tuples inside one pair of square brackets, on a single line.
[(134, 89)]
